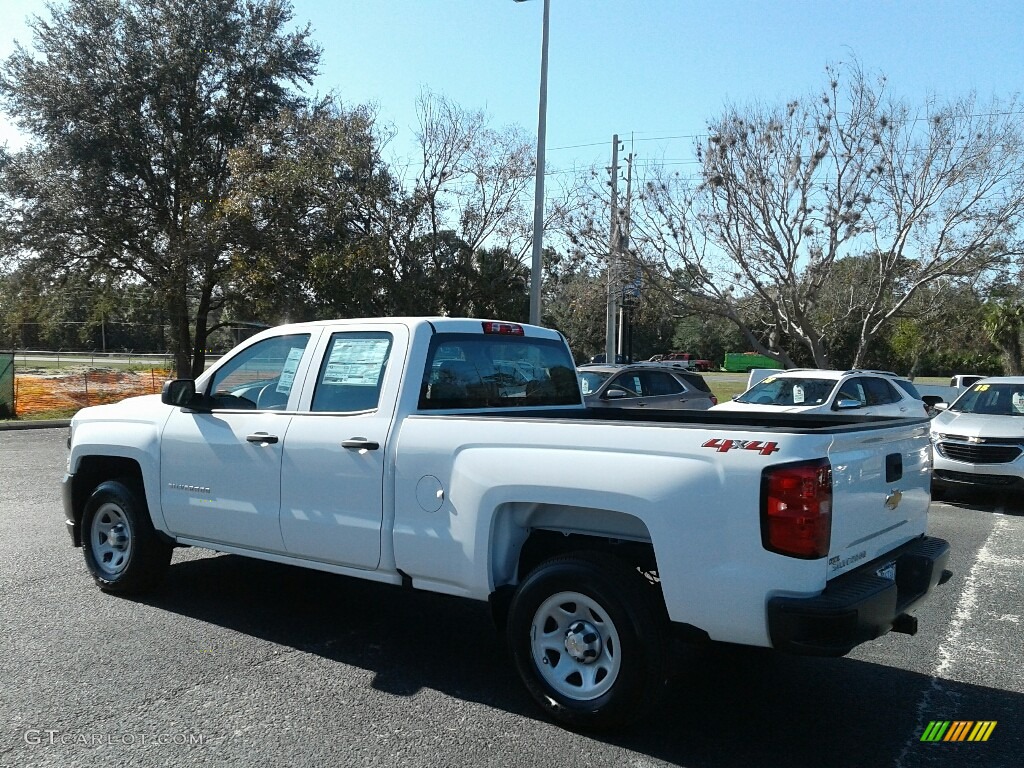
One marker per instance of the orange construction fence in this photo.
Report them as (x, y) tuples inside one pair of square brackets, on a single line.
[(39, 393)]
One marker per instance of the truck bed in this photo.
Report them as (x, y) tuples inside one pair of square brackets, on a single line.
[(789, 422)]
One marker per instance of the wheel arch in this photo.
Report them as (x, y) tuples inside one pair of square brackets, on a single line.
[(93, 470), (526, 535)]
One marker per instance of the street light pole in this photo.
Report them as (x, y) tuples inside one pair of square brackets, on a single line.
[(538, 194)]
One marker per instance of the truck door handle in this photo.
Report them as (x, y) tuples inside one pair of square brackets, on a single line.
[(361, 443), (263, 438)]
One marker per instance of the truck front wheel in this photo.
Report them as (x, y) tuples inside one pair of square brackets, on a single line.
[(587, 640), (122, 550)]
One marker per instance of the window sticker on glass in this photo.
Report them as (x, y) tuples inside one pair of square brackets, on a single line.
[(798, 394), (1018, 402), (291, 364), (356, 361)]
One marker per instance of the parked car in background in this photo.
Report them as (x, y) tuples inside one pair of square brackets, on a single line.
[(602, 358), (930, 402), (876, 393), (978, 441), (644, 385), (964, 380)]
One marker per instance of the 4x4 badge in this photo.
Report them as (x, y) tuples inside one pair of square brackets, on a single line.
[(722, 446)]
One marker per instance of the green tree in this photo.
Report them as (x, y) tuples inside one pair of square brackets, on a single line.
[(327, 230), (1003, 323), (575, 302), (314, 204), (77, 311), (133, 107)]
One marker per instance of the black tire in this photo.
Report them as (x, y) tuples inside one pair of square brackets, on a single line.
[(122, 550), (606, 626)]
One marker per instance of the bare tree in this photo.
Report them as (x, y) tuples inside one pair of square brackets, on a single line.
[(473, 178), (786, 193)]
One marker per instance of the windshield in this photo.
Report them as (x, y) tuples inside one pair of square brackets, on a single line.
[(992, 399), (791, 390), (591, 381)]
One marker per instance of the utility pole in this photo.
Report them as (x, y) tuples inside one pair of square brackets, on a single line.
[(622, 245), (613, 247), (536, 270)]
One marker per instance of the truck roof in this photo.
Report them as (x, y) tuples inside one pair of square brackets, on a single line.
[(439, 324)]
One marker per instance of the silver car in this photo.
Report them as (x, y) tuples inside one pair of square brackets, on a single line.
[(978, 441)]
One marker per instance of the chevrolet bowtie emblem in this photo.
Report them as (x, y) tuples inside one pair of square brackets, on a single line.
[(893, 499)]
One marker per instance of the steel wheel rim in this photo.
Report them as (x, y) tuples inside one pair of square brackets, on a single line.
[(111, 537), (569, 657)]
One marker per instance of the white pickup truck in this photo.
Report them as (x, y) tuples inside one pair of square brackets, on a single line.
[(456, 456)]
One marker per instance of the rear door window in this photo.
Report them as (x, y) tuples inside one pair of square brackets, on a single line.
[(654, 383), (352, 372), (879, 391)]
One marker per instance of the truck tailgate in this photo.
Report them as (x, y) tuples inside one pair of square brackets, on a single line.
[(881, 482)]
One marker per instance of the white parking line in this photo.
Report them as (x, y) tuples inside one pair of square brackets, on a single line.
[(999, 559)]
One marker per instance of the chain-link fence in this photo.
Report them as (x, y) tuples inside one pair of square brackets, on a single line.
[(7, 404)]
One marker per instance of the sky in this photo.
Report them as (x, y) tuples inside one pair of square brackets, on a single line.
[(652, 71)]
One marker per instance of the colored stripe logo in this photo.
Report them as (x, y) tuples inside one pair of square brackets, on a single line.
[(958, 730)]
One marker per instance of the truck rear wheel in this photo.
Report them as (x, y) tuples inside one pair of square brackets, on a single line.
[(587, 640), (122, 550)]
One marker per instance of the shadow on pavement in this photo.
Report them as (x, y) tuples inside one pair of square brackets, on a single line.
[(730, 706), (1006, 502)]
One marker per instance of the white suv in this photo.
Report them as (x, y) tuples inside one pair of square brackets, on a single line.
[(876, 393), (979, 439)]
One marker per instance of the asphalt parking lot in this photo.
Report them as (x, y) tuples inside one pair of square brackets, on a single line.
[(239, 662)]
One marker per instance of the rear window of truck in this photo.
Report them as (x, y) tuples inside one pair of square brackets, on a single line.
[(497, 371)]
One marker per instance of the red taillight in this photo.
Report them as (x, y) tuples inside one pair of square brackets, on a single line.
[(506, 329), (796, 509)]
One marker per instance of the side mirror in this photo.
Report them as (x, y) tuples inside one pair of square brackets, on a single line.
[(615, 393), (179, 392), (940, 406)]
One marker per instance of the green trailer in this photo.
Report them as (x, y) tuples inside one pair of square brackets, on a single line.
[(748, 361)]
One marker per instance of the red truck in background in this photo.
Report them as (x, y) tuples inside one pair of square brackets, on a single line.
[(692, 361)]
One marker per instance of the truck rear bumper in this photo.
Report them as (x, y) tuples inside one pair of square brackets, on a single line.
[(860, 605)]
